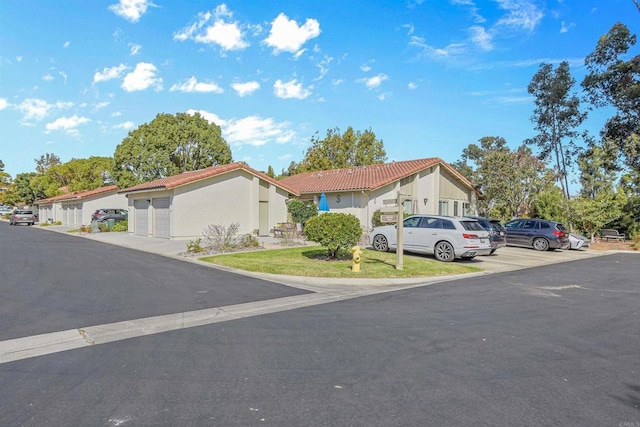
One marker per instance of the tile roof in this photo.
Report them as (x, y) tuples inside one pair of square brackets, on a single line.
[(193, 176), (77, 195), (365, 177)]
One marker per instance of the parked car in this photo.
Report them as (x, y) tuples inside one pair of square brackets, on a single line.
[(497, 233), (20, 216), (445, 237), (578, 242), (102, 215), (536, 233), (5, 210)]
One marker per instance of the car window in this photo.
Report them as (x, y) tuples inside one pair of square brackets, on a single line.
[(471, 225), (561, 227), (544, 225), (448, 225), (496, 225), (529, 224), (411, 222), (431, 223), (513, 224)]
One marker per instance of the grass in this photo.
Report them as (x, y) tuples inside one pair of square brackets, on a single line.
[(311, 261)]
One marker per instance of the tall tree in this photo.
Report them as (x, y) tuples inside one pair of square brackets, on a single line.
[(169, 145), (45, 162), (336, 151), (614, 81), (595, 176), (556, 117), (83, 174)]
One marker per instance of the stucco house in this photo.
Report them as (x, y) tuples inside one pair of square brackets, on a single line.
[(75, 209), (433, 186), (182, 206)]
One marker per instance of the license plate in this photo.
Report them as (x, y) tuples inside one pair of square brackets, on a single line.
[(481, 240)]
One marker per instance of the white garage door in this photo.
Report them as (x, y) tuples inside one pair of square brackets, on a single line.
[(72, 215), (78, 213), (161, 217), (142, 217)]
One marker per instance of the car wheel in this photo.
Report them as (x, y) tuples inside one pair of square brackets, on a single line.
[(444, 252), (380, 243), (540, 244)]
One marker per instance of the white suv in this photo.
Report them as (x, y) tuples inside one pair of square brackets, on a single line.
[(446, 237)]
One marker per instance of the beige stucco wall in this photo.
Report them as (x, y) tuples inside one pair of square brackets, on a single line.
[(88, 206), (219, 200)]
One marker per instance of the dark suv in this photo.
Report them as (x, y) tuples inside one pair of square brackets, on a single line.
[(497, 233), (102, 215), (539, 234)]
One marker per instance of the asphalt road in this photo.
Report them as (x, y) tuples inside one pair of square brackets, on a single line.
[(553, 345)]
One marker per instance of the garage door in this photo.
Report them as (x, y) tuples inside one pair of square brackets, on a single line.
[(142, 217), (161, 217), (72, 215), (78, 213)]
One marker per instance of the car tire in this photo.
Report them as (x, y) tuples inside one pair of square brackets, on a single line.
[(444, 252), (541, 244), (380, 243)]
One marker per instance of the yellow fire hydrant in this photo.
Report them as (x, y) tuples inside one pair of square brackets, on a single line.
[(356, 254)]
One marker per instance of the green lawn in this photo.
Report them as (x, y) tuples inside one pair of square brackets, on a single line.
[(311, 261)]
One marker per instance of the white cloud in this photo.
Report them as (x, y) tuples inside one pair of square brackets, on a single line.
[(291, 89), (192, 85), (67, 124), (452, 50), (63, 75), (373, 82), (66, 44), (3, 104), (365, 68), (34, 108), (565, 27), (287, 36), (47, 77), (109, 73), (131, 10), (481, 38), (252, 131), (222, 31), (246, 88), (412, 86), (141, 78), (19, 58), (100, 105), (126, 125), (521, 14), (134, 49)]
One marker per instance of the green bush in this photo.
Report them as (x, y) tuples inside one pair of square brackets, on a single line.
[(301, 211), (334, 231), (195, 246), (121, 226)]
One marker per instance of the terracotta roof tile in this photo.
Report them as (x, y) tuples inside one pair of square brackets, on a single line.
[(364, 177), (193, 176), (77, 195)]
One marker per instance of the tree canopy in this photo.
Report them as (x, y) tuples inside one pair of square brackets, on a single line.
[(556, 117), (169, 145), (614, 81), (341, 150)]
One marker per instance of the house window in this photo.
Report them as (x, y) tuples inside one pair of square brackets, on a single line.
[(455, 208), (466, 209), (443, 208)]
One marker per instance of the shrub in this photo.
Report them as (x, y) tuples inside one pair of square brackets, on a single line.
[(334, 231), (375, 218), (121, 226), (301, 211), (249, 241), (221, 238), (195, 246)]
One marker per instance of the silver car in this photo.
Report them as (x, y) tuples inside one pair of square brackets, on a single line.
[(21, 216), (445, 237)]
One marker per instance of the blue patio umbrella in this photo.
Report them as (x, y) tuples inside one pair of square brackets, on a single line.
[(323, 206)]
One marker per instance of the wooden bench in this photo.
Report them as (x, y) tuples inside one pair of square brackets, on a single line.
[(285, 229), (609, 234)]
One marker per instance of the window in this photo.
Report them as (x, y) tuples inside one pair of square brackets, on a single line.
[(443, 208), (455, 208), (411, 222), (431, 223), (466, 209), (448, 225)]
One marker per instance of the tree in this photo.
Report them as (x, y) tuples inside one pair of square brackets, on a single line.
[(334, 231), (613, 81), (591, 214), (595, 176), (45, 162), (82, 174), (556, 117), (345, 150), (301, 211), (169, 145), (270, 172), (509, 180)]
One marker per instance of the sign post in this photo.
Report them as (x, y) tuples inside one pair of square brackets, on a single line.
[(397, 211)]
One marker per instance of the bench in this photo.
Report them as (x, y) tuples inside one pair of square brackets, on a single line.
[(285, 229), (608, 234)]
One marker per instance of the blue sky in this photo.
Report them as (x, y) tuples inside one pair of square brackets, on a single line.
[(429, 77)]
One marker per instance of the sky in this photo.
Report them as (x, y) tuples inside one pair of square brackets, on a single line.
[(428, 77)]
